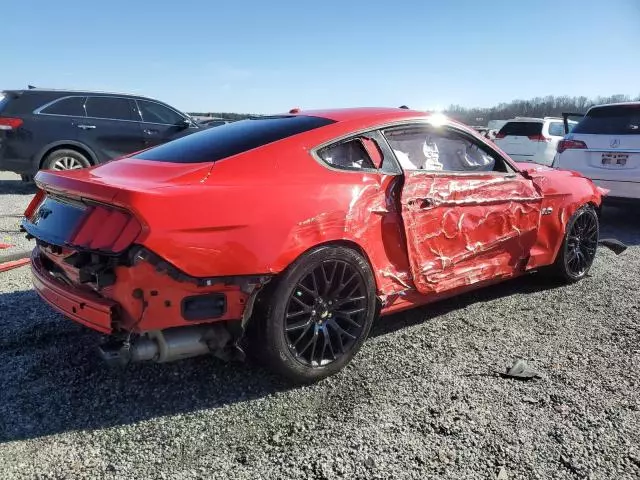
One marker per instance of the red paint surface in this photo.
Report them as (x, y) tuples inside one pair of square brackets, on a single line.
[(5, 245), (257, 212), (475, 228)]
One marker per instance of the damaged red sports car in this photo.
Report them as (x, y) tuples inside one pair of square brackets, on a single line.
[(287, 235)]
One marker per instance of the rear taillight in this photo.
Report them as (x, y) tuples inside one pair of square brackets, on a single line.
[(106, 229), (500, 135), (7, 123), (538, 138), (34, 204), (570, 145)]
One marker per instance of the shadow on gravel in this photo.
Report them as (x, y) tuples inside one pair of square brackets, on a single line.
[(522, 285), (51, 380), (17, 187), (621, 223)]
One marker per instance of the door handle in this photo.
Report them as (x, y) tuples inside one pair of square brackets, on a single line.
[(87, 127), (150, 132), (422, 202)]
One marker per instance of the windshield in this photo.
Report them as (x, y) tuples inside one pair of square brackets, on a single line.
[(226, 140)]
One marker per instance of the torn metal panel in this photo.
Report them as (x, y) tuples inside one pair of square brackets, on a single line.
[(466, 229), (372, 220)]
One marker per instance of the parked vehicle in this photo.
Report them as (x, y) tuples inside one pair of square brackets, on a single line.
[(532, 139), (213, 121), (288, 234), (64, 130), (605, 146)]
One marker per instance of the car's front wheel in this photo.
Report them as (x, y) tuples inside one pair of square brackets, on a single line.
[(579, 245), (318, 314)]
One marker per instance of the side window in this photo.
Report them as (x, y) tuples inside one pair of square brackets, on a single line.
[(556, 129), (72, 106), (347, 155), (421, 147), (109, 107), (155, 113)]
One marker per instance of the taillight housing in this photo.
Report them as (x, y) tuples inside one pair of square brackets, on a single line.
[(7, 123), (500, 135), (570, 145), (538, 138), (106, 228)]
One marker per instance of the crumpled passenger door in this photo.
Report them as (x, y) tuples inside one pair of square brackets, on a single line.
[(465, 228)]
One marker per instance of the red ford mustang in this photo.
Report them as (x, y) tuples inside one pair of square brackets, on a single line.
[(291, 233)]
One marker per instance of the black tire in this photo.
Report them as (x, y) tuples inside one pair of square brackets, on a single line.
[(292, 301), (59, 159), (579, 246)]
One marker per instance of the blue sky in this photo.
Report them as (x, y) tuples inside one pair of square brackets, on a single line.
[(268, 56)]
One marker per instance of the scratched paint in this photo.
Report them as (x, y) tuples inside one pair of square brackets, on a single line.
[(472, 228)]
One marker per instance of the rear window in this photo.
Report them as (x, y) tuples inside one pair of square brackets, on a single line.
[(20, 103), (72, 106), (614, 120), (556, 129), (520, 129), (226, 140)]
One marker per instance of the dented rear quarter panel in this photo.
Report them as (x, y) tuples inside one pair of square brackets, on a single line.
[(282, 205)]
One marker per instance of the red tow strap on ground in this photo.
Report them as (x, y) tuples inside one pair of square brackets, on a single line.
[(13, 263)]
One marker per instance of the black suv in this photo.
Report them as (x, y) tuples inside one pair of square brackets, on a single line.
[(62, 130)]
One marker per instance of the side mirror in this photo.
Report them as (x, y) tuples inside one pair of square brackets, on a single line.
[(184, 123)]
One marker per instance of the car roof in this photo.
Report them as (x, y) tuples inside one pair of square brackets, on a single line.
[(619, 104), (22, 91), (381, 114), (534, 119)]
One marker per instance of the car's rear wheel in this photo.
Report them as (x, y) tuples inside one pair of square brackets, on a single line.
[(318, 314), (65, 159), (579, 246)]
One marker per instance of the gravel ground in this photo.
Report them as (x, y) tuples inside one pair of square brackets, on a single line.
[(420, 400), (14, 198)]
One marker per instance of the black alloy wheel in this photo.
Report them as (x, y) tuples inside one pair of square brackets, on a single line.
[(582, 243), (579, 245), (315, 316), (326, 313)]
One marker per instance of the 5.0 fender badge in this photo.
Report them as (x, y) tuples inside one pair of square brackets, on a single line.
[(546, 211)]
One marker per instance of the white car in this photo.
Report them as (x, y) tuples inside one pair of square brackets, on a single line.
[(605, 147), (532, 139)]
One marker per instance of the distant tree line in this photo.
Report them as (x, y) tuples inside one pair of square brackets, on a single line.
[(548, 106), (226, 115)]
